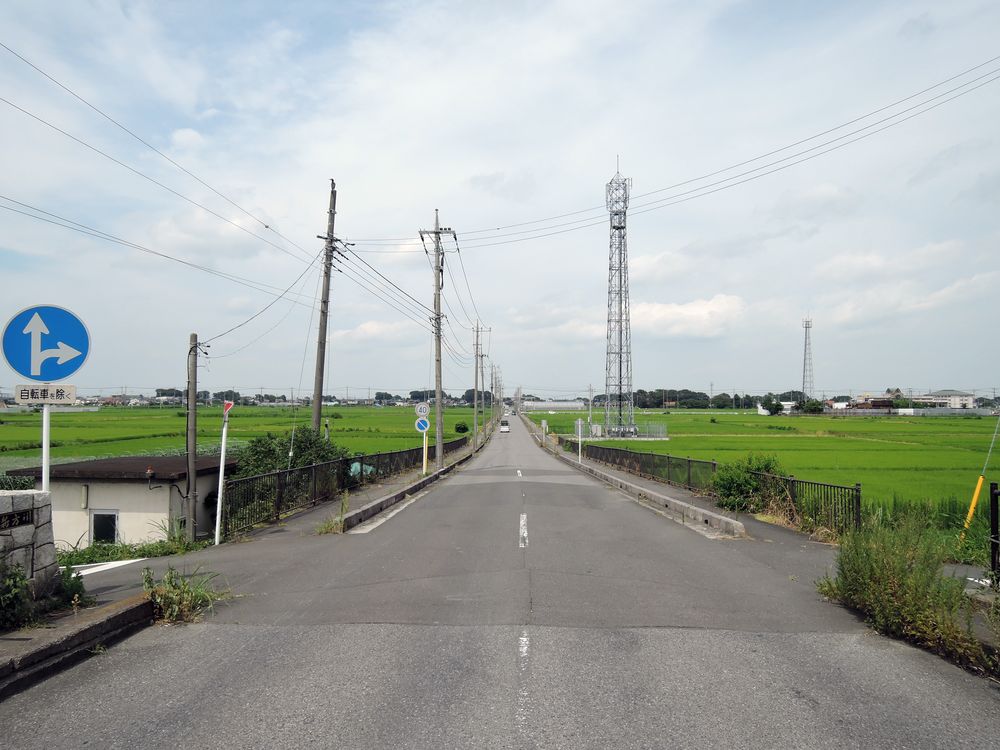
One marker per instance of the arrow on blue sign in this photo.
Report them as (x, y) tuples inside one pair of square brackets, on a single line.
[(45, 343)]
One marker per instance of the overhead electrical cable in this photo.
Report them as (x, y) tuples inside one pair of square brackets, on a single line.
[(145, 176), (61, 221), (461, 263), (268, 306), (386, 288), (267, 225), (396, 286), (539, 232), (379, 294)]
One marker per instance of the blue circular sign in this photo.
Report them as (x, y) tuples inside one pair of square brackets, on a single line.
[(45, 343), (422, 425)]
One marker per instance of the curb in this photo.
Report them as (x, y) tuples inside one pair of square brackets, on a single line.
[(686, 511), (60, 647)]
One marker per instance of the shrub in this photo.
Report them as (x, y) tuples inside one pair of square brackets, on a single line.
[(461, 427), (269, 452), (893, 574), (739, 488), (15, 598), (16, 483)]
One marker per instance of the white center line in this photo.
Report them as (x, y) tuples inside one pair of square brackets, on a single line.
[(523, 534)]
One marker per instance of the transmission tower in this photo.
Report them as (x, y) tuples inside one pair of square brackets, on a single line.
[(619, 413), (808, 386)]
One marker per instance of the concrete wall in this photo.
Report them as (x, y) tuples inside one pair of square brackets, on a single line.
[(30, 545), (74, 502), (141, 511)]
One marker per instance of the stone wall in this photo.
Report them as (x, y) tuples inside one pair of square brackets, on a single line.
[(26, 536)]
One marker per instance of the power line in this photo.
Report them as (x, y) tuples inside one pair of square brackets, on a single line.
[(396, 286), (61, 221), (150, 146), (388, 291), (145, 176), (461, 263), (587, 222), (349, 274), (266, 307)]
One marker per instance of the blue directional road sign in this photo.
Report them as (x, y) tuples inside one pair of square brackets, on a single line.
[(45, 343), (422, 425)]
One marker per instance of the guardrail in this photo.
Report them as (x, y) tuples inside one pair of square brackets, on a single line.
[(266, 497)]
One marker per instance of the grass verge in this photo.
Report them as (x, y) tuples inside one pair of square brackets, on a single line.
[(19, 606)]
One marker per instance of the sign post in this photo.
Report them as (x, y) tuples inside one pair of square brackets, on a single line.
[(422, 410), (226, 406), (24, 342)]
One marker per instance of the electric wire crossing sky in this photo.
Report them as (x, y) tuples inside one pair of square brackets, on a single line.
[(46, 343)]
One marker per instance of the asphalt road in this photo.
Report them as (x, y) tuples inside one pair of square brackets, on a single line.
[(517, 604)]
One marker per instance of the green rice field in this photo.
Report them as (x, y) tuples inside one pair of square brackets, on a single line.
[(896, 459), (120, 431)]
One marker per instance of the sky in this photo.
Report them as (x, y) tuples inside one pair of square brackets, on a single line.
[(509, 119)]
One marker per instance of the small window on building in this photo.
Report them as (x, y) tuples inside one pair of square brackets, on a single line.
[(105, 527)]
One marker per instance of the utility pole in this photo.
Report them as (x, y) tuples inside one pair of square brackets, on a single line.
[(435, 234), (324, 309), (191, 493), (475, 389), (590, 404)]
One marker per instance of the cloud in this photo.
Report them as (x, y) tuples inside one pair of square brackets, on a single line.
[(703, 318), (375, 331), (186, 139), (946, 160), (818, 203)]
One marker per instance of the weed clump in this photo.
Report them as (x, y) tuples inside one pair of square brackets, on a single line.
[(740, 486), (180, 598), (893, 574)]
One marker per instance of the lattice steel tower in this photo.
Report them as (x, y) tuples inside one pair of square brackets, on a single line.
[(808, 386), (619, 412)]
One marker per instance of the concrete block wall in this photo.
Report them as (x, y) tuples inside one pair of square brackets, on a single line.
[(30, 545)]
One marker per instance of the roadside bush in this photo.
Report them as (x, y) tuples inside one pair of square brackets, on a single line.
[(16, 607), (893, 574), (269, 452), (461, 427), (739, 488), (179, 598)]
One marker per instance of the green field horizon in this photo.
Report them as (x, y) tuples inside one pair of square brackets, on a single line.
[(908, 459), (123, 431)]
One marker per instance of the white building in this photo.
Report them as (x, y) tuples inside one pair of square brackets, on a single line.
[(947, 399), (128, 499)]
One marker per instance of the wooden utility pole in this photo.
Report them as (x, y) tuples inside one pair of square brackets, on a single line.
[(435, 235), (324, 309), (191, 493)]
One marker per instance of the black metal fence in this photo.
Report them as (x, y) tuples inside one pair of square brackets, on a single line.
[(833, 506), (689, 473), (266, 497)]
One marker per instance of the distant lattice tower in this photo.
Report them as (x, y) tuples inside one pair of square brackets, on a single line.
[(808, 385), (619, 411)]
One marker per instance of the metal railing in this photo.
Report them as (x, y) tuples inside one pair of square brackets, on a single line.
[(833, 506), (266, 497)]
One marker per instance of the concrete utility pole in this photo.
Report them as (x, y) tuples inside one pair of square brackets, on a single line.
[(475, 389), (324, 309), (191, 492), (590, 404), (435, 235)]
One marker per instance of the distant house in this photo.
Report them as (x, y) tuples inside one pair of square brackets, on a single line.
[(128, 499), (947, 398)]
